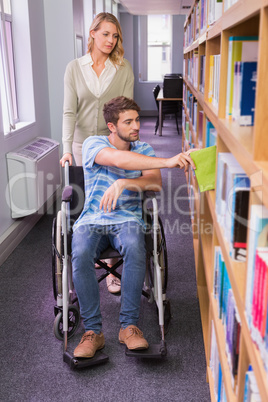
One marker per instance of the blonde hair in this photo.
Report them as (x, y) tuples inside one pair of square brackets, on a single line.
[(116, 56)]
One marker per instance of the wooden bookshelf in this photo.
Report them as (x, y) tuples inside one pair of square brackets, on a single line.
[(249, 145)]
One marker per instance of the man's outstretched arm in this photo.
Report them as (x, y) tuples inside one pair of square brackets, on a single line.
[(133, 161)]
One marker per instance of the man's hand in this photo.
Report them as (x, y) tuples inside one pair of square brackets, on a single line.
[(111, 195), (182, 160)]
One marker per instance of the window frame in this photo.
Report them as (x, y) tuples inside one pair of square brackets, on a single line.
[(143, 48), (23, 70), (9, 105)]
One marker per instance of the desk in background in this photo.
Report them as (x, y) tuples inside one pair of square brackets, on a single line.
[(160, 99)]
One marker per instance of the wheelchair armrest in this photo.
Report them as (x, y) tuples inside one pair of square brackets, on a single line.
[(67, 194)]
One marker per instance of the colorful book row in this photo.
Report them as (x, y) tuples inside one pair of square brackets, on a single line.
[(232, 200), (241, 79), (257, 279), (227, 312)]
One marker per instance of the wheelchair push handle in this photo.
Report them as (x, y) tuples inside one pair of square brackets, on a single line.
[(66, 174)]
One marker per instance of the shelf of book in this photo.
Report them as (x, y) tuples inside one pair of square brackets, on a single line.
[(241, 10), (211, 384), (204, 311), (236, 270), (261, 124), (211, 56), (220, 336), (255, 359)]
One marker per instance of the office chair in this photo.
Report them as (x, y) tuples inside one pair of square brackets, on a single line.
[(168, 108)]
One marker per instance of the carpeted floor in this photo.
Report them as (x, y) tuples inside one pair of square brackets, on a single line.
[(31, 357)]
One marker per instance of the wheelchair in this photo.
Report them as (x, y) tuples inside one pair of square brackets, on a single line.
[(66, 310)]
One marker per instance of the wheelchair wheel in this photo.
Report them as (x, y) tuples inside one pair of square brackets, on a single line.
[(73, 322), (57, 255), (162, 254)]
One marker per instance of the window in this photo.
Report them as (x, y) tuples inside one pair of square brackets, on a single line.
[(17, 109), (159, 41), (7, 71)]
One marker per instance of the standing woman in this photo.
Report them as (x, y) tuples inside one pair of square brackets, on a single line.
[(91, 81)]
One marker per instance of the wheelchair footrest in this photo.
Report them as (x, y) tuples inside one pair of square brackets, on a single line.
[(153, 352), (78, 363)]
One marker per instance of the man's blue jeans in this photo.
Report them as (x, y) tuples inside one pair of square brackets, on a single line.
[(87, 244)]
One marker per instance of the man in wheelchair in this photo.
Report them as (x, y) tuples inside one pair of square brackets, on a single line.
[(117, 169)]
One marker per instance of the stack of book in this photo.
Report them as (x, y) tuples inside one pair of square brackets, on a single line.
[(251, 391), (244, 91), (211, 134), (241, 79), (214, 79), (203, 15), (232, 200), (200, 128), (228, 312), (257, 279), (215, 366), (214, 11), (202, 73), (192, 107)]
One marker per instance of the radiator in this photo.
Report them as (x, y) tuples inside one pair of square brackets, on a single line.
[(34, 175)]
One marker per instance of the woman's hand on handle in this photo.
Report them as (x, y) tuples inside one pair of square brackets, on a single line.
[(66, 157)]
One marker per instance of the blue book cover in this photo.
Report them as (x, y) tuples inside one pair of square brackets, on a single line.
[(220, 283), (219, 383), (246, 389), (209, 129), (240, 48), (221, 289), (248, 91), (226, 287)]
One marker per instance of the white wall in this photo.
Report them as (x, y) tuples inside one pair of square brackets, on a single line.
[(59, 34), (52, 47)]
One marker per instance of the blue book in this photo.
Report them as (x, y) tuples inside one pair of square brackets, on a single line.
[(210, 133), (221, 285), (226, 287), (248, 91), (219, 383), (240, 48), (246, 389)]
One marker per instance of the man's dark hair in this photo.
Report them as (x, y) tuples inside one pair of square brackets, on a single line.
[(115, 106)]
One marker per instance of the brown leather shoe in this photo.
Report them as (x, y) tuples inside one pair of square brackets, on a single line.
[(133, 338), (113, 284), (89, 344)]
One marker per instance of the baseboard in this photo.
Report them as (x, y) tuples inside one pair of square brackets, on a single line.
[(21, 227)]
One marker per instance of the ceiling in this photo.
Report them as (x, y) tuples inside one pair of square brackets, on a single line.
[(145, 7)]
